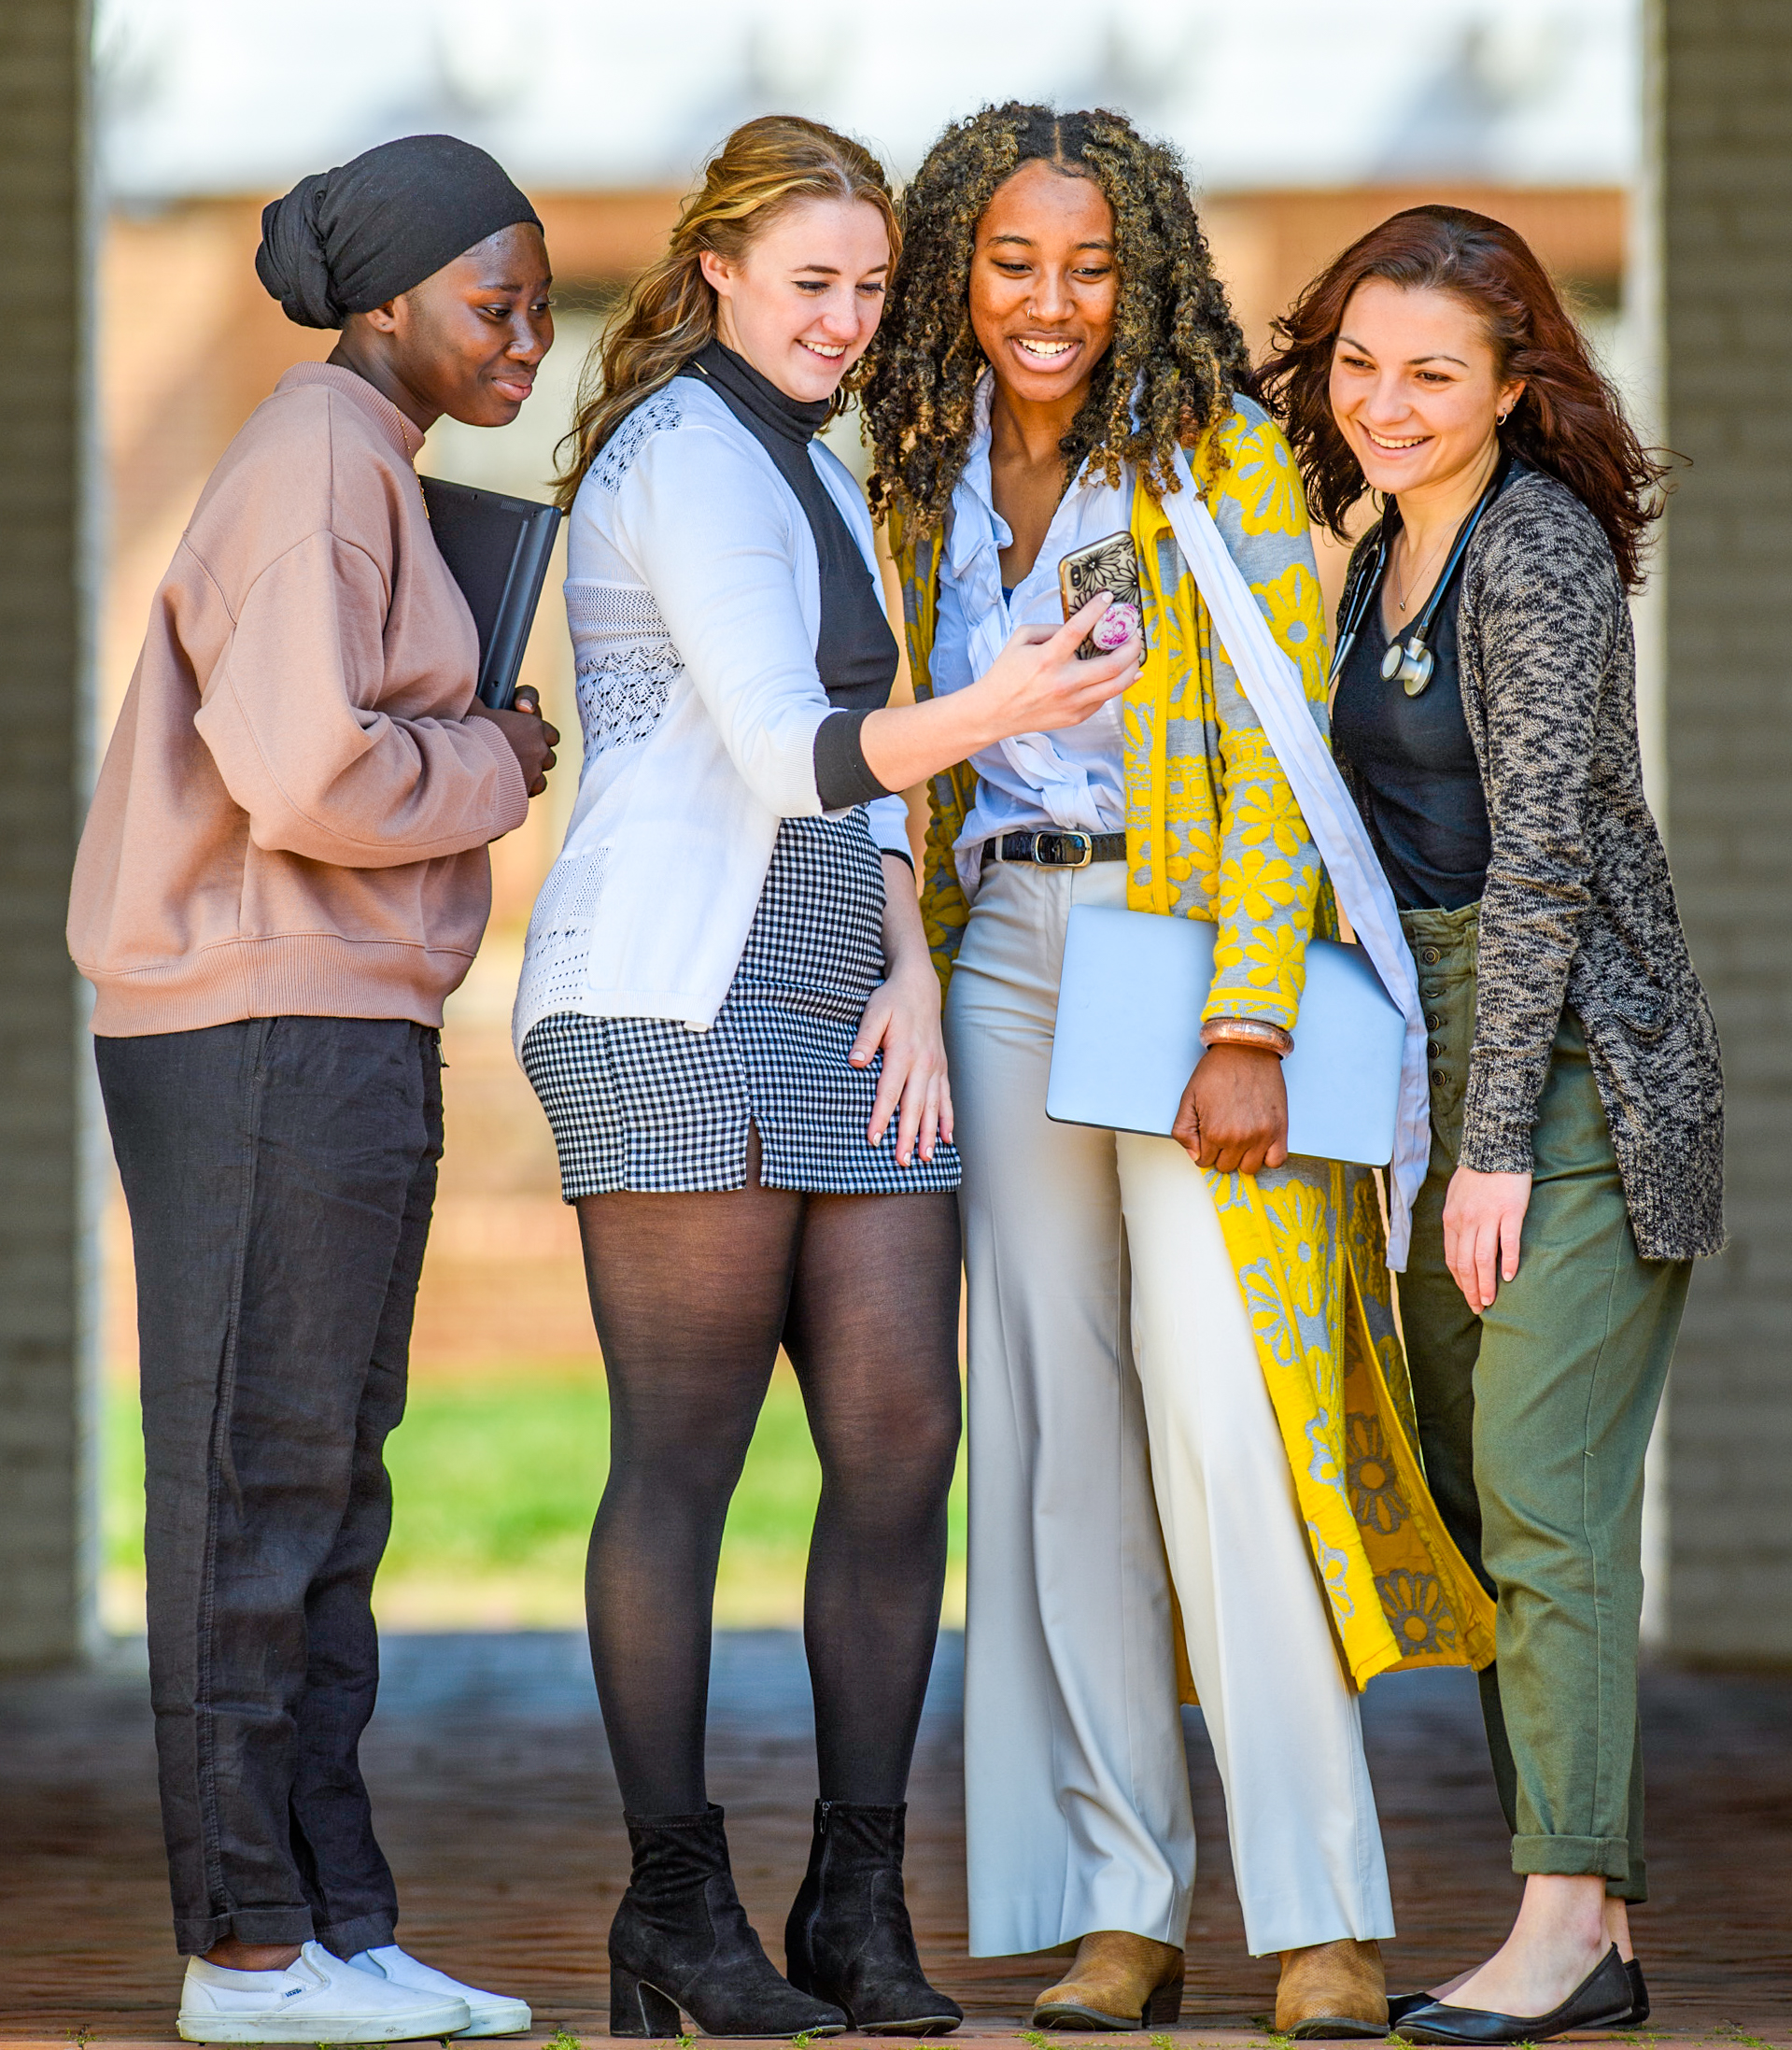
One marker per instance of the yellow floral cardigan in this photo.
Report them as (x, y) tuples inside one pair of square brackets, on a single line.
[(1213, 831)]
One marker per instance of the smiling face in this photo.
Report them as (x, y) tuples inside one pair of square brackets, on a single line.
[(803, 303), (1043, 283), (1416, 388), (467, 340)]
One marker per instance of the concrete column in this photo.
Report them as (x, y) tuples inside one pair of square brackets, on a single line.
[(46, 1549), (1727, 242)]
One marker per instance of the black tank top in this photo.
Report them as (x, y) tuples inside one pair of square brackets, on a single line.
[(1411, 759)]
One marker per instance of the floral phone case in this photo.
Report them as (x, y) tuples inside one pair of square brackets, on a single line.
[(1110, 565)]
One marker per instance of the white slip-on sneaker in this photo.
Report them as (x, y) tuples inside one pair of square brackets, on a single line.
[(318, 1998), (493, 2014)]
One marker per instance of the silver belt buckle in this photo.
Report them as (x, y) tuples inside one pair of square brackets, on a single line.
[(1088, 841)]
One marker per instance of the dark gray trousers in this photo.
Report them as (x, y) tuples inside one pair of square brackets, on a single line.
[(280, 1174)]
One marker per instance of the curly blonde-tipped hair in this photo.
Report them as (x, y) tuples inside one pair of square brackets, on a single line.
[(1177, 355), (763, 169)]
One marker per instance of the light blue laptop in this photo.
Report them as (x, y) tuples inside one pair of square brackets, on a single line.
[(1129, 1033)]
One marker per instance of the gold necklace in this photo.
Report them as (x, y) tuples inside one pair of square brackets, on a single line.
[(1399, 597)]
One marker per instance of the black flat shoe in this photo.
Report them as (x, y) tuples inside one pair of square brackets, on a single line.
[(1605, 1999), (1402, 2005)]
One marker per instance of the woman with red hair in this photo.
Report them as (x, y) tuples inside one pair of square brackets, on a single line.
[(1484, 716)]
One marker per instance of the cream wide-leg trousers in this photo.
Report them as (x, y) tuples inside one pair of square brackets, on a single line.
[(1117, 1420)]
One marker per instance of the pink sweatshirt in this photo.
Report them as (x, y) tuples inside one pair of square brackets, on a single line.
[(293, 812)]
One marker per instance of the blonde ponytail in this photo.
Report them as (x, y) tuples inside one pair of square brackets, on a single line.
[(763, 168)]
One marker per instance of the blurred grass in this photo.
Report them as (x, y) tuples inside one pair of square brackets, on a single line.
[(496, 1474)]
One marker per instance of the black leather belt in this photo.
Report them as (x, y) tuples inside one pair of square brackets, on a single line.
[(1056, 850)]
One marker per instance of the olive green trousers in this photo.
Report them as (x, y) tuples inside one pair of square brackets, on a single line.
[(1533, 1419)]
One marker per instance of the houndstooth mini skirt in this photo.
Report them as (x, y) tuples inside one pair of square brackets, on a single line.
[(652, 1104)]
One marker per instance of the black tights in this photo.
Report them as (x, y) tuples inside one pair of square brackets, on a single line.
[(693, 1296)]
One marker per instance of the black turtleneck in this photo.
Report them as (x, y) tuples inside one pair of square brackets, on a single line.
[(855, 652)]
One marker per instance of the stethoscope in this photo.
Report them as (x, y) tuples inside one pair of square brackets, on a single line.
[(1411, 660)]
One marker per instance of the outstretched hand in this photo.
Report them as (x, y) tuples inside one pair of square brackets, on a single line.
[(1040, 685), (1035, 685)]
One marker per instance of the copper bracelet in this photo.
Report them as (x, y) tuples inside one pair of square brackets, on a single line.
[(1253, 1032)]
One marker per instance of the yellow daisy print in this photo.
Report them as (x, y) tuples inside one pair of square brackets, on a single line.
[(1417, 1613), (1267, 812), (1252, 883), (1375, 1499), (1300, 1212), (1294, 609), (1335, 1570), (1263, 480), (1254, 973)]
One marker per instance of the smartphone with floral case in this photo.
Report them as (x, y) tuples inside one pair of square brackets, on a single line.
[(1110, 565)]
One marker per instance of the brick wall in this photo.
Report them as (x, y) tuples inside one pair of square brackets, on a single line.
[(44, 1567), (1727, 191)]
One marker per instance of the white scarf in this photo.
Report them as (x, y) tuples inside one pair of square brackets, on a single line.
[(1272, 685)]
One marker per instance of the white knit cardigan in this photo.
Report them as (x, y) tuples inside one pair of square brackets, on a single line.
[(693, 596)]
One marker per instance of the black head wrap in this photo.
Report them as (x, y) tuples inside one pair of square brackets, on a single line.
[(347, 240)]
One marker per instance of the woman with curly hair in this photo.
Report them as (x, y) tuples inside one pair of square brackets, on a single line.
[(1186, 1394), (727, 1011), (1486, 715)]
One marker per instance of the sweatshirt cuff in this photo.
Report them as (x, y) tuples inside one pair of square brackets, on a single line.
[(841, 778), (513, 800)]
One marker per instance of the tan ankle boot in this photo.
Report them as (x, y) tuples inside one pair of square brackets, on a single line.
[(1118, 1981), (1332, 1989)]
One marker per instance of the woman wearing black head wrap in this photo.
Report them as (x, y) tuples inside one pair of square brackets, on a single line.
[(432, 265), (283, 874)]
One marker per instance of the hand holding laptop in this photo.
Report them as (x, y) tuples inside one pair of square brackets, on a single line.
[(1128, 1033), (1234, 1113)]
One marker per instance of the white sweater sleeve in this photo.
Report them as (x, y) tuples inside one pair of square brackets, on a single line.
[(889, 823), (717, 548)]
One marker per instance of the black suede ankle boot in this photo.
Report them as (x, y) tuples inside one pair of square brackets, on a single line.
[(681, 1939), (848, 1939)]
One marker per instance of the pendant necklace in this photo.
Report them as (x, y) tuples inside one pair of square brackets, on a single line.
[(1411, 660), (1402, 599)]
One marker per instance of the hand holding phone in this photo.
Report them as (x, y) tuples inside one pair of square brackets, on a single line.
[(1045, 679), (1107, 567)]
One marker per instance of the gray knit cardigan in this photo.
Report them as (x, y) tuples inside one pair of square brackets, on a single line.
[(1578, 908)]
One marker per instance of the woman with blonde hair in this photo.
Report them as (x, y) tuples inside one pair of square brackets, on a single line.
[(727, 1011)]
